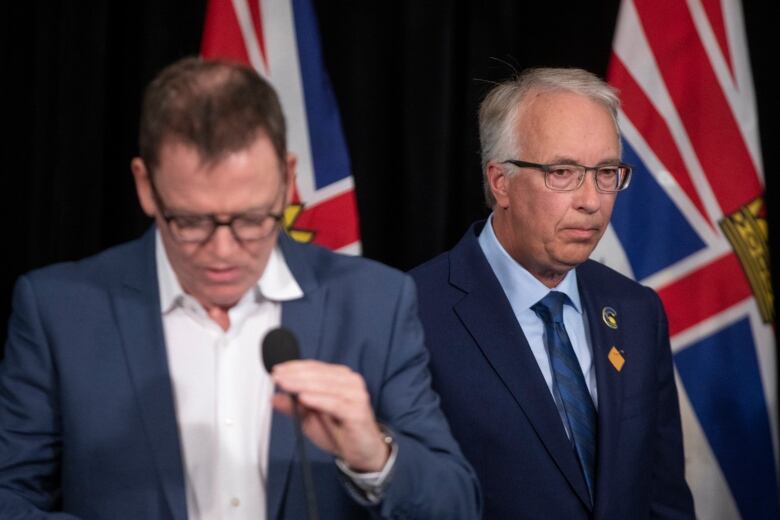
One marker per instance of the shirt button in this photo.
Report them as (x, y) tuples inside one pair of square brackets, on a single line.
[(235, 502)]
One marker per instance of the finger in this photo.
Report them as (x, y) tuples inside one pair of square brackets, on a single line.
[(346, 390), (310, 368), (312, 423), (325, 425), (308, 364), (310, 406), (283, 403), (327, 379), (341, 411)]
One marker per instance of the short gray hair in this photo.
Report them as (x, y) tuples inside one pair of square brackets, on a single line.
[(498, 113)]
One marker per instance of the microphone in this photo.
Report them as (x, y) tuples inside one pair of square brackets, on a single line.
[(281, 345)]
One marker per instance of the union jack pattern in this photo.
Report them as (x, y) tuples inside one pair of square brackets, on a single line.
[(280, 39), (692, 226)]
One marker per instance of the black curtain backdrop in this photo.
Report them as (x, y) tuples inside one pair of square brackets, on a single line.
[(408, 76)]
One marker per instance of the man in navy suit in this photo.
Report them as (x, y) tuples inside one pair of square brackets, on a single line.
[(554, 371), (132, 386)]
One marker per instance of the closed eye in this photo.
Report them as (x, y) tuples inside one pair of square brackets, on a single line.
[(191, 221), (252, 219)]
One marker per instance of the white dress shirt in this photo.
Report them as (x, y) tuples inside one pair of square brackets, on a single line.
[(222, 392), (523, 291)]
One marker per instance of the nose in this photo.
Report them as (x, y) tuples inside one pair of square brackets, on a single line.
[(222, 242), (587, 198)]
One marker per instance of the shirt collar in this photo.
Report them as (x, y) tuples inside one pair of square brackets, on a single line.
[(277, 282), (520, 286)]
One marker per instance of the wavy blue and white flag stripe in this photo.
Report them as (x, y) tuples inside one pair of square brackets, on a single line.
[(692, 226)]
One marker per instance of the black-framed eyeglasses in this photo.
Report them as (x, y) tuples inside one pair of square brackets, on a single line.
[(193, 228), (610, 178)]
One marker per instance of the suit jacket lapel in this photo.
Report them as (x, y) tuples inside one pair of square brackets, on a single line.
[(304, 318), (137, 311), (487, 314), (608, 382)]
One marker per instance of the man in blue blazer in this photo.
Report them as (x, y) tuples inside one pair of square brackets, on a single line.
[(554, 371), (132, 385)]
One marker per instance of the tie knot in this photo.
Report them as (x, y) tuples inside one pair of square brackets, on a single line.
[(550, 308)]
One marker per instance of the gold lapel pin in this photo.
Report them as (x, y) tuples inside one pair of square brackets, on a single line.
[(609, 315), (616, 358)]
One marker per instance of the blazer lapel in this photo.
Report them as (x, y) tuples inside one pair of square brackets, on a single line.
[(304, 318), (610, 390), (137, 311), (487, 314)]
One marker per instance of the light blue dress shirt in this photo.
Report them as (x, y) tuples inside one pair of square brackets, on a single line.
[(523, 291)]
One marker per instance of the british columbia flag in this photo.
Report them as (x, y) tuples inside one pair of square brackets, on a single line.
[(280, 39), (692, 226)]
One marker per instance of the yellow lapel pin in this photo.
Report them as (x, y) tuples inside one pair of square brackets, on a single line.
[(616, 358), (609, 315)]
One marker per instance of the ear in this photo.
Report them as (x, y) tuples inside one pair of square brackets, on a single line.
[(498, 180), (143, 187), (292, 162)]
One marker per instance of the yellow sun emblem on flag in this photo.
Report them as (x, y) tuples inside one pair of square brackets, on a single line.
[(291, 214)]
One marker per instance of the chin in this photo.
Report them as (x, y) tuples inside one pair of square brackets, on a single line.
[(569, 262), (576, 254), (225, 298)]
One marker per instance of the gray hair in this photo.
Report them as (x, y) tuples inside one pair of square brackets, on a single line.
[(499, 112)]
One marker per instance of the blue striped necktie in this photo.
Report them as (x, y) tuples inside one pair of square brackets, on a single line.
[(578, 412)]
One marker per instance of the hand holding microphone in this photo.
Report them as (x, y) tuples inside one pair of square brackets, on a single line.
[(335, 408)]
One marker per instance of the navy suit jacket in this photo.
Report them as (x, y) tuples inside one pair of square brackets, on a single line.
[(503, 414), (87, 419)]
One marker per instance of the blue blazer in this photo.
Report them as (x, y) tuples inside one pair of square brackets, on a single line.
[(503, 414), (87, 419)]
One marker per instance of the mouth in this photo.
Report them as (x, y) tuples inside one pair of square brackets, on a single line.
[(222, 275), (581, 233)]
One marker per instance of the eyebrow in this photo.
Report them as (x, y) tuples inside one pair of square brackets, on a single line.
[(570, 161), (188, 213)]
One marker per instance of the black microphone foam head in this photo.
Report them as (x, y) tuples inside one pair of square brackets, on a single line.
[(279, 345)]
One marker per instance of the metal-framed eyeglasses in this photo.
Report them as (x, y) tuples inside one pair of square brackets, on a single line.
[(610, 178), (194, 228)]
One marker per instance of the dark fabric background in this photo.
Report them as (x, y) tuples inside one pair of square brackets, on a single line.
[(408, 75)]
